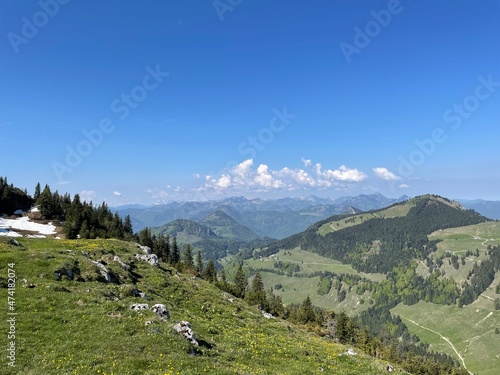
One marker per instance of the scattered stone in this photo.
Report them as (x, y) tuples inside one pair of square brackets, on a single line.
[(184, 328), (14, 242), (228, 297), (150, 258), (122, 263), (149, 322), (350, 351), (139, 306), (138, 293), (389, 368), (147, 250), (267, 315), (161, 310), (104, 270), (86, 255)]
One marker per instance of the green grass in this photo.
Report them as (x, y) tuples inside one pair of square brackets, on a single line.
[(296, 289), (457, 241), (470, 329), (86, 327), (394, 211)]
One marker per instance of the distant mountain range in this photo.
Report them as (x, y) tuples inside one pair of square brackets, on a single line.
[(276, 218), (489, 209)]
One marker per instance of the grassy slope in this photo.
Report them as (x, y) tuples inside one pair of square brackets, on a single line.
[(394, 211), (473, 337), (471, 330), (296, 289), (71, 327)]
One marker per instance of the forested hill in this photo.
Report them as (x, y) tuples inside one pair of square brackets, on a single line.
[(377, 241)]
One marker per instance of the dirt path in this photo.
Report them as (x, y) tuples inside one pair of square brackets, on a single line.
[(486, 317), (482, 295), (444, 338)]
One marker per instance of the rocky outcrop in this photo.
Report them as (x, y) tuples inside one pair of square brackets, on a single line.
[(150, 258), (184, 328)]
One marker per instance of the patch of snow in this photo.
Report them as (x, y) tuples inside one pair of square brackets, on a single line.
[(24, 223), (8, 233)]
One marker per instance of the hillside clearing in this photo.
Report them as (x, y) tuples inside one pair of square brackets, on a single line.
[(466, 333)]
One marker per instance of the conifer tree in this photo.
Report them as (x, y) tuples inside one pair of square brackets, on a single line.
[(37, 192), (174, 252), (306, 312), (127, 228), (210, 274), (46, 203), (240, 282), (187, 256), (145, 238), (162, 247), (256, 295), (73, 218), (199, 263)]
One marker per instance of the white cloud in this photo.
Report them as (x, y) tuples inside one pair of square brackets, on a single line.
[(245, 177), (404, 186), (385, 174), (345, 174), (87, 195), (117, 193), (306, 162)]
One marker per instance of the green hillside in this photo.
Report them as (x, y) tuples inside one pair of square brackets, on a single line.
[(225, 226), (435, 257), (71, 321), (378, 241), (186, 231)]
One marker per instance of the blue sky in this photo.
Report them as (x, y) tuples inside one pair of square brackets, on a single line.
[(152, 101)]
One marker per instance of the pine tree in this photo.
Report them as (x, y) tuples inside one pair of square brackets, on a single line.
[(162, 248), (199, 263), (127, 228), (174, 252), (341, 327), (187, 256), (46, 203), (256, 295), (37, 192), (145, 238), (222, 276), (306, 312), (240, 282), (73, 220), (210, 274)]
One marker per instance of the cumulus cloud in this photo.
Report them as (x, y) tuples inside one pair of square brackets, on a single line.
[(306, 162), (385, 174), (403, 186), (245, 176), (87, 195), (117, 193)]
